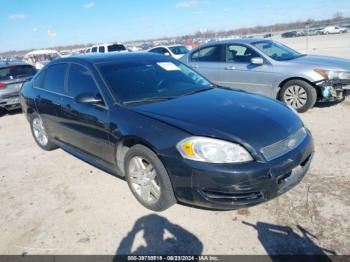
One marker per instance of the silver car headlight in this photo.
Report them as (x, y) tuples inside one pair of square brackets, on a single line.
[(212, 150), (333, 74)]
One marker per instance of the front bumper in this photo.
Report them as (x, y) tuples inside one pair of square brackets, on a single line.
[(334, 90), (10, 101), (232, 186)]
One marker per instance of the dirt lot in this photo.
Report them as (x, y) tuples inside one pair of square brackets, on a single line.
[(53, 203)]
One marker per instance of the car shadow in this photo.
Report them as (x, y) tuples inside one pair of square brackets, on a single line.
[(327, 104), (282, 240), (159, 237), (4, 112)]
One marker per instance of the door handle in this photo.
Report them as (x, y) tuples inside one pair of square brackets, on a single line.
[(229, 68)]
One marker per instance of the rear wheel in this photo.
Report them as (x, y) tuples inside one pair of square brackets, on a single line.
[(298, 94), (40, 135), (148, 179)]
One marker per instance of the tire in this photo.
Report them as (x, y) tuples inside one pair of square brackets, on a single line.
[(3, 111), (166, 197), (48, 145), (299, 94)]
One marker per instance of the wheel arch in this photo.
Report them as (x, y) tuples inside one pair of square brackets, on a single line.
[(123, 146)]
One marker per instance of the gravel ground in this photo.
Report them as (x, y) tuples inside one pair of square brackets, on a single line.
[(53, 203)]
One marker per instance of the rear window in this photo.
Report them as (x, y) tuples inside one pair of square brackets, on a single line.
[(116, 48), (16, 72)]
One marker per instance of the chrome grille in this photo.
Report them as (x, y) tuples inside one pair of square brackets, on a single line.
[(284, 146)]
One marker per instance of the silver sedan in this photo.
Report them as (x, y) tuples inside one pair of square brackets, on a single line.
[(269, 68)]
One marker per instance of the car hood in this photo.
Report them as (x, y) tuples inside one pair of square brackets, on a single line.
[(323, 62), (252, 120)]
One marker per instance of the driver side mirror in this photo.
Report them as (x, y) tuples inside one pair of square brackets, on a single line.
[(257, 61), (89, 98), (167, 53)]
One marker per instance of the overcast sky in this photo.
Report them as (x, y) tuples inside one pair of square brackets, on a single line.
[(29, 24)]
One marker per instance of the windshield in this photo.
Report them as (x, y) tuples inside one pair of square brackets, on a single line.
[(16, 72), (136, 81), (179, 50), (276, 51)]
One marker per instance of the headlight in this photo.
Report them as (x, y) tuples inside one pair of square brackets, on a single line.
[(332, 74), (212, 150)]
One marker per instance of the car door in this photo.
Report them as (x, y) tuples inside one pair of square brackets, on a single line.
[(209, 61), (86, 126), (50, 85), (239, 71)]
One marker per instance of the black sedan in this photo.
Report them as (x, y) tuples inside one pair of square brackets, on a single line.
[(173, 135)]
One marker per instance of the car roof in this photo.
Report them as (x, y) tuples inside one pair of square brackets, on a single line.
[(11, 63), (104, 44), (166, 46), (237, 41), (109, 57)]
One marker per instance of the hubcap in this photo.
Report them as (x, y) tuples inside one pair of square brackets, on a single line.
[(295, 96), (143, 178), (39, 131)]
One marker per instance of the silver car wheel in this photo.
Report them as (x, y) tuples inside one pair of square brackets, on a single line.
[(143, 178), (295, 96), (39, 131)]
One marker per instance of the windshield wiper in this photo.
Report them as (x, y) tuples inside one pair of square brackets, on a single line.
[(197, 91), (150, 99)]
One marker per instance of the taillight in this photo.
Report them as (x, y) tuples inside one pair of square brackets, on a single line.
[(2, 85)]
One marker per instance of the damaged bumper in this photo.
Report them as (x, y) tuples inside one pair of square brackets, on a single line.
[(333, 90)]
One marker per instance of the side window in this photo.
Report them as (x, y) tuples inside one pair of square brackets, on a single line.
[(94, 49), (163, 51), (239, 54), (38, 80), (54, 78), (80, 81), (101, 49), (208, 54), (156, 50)]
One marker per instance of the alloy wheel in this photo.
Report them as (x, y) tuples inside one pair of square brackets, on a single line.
[(143, 178), (39, 131), (295, 96)]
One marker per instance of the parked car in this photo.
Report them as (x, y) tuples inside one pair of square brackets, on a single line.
[(292, 34), (173, 135), (314, 31), (12, 76), (39, 58), (175, 51), (107, 48), (269, 68), (334, 30)]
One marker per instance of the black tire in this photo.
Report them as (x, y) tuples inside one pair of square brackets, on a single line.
[(167, 197), (49, 145), (3, 111), (310, 92)]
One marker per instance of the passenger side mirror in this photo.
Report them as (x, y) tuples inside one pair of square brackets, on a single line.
[(257, 61), (88, 98)]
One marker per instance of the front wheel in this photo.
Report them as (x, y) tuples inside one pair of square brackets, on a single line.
[(148, 179), (298, 94)]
